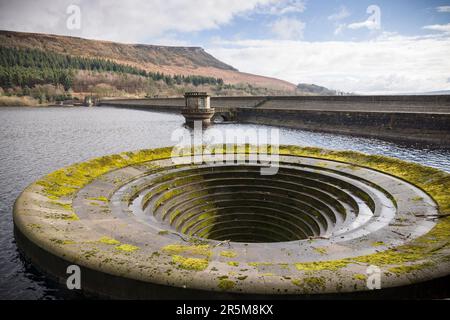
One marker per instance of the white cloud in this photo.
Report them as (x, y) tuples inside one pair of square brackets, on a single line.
[(339, 29), (281, 7), (341, 14), (337, 17), (390, 64), (443, 9), (439, 27), (369, 24), (373, 22), (130, 21), (288, 29)]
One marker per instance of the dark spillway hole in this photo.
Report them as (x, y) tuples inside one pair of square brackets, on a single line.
[(261, 221), (235, 203)]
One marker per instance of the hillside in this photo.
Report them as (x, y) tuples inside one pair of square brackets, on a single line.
[(168, 60), (315, 89)]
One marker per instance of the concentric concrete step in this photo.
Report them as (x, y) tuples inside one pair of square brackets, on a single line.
[(207, 201)]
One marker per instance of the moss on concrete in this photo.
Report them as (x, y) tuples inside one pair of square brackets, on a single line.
[(102, 199), (65, 182), (195, 264), (202, 250), (65, 206), (225, 284), (322, 265), (378, 244), (297, 282), (228, 254), (410, 268), (268, 274), (109, 241), (360, 276), (127, 248), (260, 264), (315, 283)]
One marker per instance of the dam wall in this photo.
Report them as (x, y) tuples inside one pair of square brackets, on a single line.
[(430, 104), (170, 104), (423, 119), (156, 104), (425, 128)]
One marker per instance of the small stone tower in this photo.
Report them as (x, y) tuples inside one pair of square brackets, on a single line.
[(197, 108)]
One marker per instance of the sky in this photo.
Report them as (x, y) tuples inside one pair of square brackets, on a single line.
[(367, 47)]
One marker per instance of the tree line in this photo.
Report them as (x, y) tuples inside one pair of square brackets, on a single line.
[(30, 67)]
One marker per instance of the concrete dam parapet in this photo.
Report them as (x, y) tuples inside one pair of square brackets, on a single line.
[(424, 119)]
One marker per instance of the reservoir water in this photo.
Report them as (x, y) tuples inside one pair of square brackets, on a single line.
[(36, 141)]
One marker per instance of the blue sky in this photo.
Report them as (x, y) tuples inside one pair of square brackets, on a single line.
[(405, 17), (399, 46)]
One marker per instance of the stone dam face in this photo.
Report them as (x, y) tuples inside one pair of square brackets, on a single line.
[(141, 226), (424, 119)]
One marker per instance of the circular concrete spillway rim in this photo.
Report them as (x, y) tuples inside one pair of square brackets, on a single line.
[(68, 215)]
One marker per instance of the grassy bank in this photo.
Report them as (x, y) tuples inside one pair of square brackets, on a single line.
[(15, 101)]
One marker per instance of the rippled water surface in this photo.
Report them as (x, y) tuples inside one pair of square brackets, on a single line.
[(36, 141)]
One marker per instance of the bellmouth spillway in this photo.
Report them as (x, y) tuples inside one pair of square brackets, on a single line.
[(135, 222)]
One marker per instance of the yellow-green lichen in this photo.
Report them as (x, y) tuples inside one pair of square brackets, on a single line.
[(226, 284), (102, 199), (65, 206), (322, 265), (195, 264), (315, 282), (360, 276), (268, 274), (110, 241), (127, 248), (410, 268), (390, 257), (378, 244), (65, 182), (260, 264), (233, 263), (202, 250), (297, 282), (228, 254), (310, 282)]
